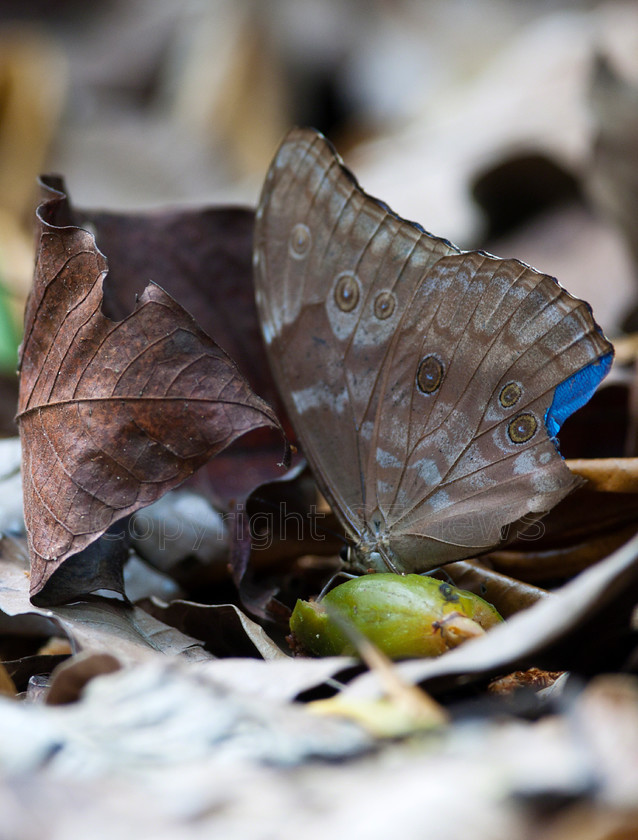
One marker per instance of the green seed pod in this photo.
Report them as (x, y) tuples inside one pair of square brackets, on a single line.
[(403, 615)]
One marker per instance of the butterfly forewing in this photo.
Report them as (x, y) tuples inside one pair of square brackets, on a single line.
[(323, 251), (418, 377)]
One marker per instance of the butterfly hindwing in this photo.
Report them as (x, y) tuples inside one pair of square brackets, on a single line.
[(474, 453)]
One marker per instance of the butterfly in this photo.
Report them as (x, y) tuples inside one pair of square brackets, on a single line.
[(426, 384)]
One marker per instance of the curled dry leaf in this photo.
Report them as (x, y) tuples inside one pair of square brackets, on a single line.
[(559, 563), (224, 628), (257, 597), (610, 475), (504, 593), (71, 677), (111, 414)]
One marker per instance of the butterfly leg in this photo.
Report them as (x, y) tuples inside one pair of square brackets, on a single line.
[(388, 561)]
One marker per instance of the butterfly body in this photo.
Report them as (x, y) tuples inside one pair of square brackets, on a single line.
[(425, 384)]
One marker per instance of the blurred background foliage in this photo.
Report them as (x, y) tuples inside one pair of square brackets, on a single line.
[(508, 126)]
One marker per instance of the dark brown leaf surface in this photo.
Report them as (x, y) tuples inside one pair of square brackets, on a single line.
[(203, 258), (112, 414)]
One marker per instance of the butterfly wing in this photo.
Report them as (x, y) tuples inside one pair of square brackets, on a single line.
[(477, 451), (316, 231), (413, 373)]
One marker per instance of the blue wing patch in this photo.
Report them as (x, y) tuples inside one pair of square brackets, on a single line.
[(574, 392)]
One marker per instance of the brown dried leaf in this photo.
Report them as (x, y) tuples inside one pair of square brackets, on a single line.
[(559, 563), (112, 414), (610, 475), (70, 677), (202, 258), (507, 594), (257, 597), (224, 628), (7, 686)]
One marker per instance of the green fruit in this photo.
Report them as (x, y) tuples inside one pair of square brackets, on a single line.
[(403, 615)]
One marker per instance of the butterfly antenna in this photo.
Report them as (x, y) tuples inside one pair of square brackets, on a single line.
[(336, 535)]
